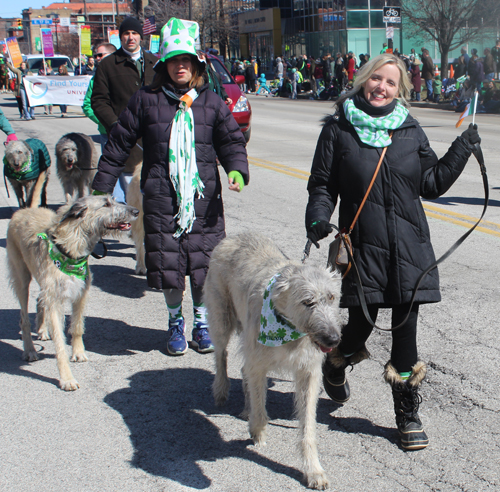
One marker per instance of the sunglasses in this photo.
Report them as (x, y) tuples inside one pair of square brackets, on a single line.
[(99, 55)]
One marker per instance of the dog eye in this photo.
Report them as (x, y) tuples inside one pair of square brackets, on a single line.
[(309, 304)]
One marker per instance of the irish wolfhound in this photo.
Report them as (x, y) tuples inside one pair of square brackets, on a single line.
[(134, 198), (54, 248), (26, 165), (304, 302), (76, 164)]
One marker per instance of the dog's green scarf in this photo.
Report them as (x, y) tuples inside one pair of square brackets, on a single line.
[(26, 172), (275, 329), (78, 268), (182, 161)]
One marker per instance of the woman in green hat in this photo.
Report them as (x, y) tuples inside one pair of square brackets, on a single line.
[(185, 128)]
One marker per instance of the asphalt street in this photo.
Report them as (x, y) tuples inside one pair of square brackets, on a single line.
[(144, 421)]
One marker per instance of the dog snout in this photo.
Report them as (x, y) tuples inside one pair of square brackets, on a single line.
[(329, 340)]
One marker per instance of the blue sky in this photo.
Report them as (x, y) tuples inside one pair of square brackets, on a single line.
[(14, 8)]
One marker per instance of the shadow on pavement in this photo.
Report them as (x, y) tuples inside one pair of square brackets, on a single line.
[(453, 200), (113, 337), (166, 412), (117, 280)]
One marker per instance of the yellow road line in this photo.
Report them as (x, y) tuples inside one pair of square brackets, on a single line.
[(430, 210)]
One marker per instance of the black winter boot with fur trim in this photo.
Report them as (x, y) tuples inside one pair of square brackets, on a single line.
[(334, 380), (406, 403)]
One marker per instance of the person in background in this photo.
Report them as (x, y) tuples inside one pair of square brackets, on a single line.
[(186, 129), (495, 51), (90, 67), (63, 72), (416, 79), (427, 73), (116, 80), (488, 65), (28, 112), (17, 87), (437, 85), (102, 51), (391, 239)]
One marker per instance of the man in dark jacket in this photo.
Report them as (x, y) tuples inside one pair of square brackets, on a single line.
[(427, 73), (489, 65), (117, 78)]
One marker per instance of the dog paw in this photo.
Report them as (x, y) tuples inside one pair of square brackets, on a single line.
[(318, 481), (141, 270), (259, 439), (71, 385), (30, 355), (79, 357), (44, 335)]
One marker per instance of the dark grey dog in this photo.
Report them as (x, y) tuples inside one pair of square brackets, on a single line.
[(76, 164), (26, 165)]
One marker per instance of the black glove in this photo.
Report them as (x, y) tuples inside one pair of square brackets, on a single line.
[(318, 230), (472, 135)]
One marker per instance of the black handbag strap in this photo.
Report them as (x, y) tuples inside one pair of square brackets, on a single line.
[(478, 153)]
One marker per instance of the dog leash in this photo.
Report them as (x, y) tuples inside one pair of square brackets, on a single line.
[(478, 154)]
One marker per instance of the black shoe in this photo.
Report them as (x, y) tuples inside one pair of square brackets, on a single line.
[(335, 383), (410, 428)]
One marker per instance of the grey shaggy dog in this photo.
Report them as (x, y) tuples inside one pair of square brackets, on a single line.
[(76, 164), (308, 297), (30, 193), (74, 230)]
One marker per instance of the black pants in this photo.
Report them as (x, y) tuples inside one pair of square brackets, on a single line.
[(404, 340)]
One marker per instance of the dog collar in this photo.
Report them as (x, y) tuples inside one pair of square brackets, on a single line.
[(275, 329), (25, 169), (78, 268)]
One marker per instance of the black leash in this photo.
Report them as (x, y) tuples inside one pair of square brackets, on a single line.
[(100, 257), (478, 153)]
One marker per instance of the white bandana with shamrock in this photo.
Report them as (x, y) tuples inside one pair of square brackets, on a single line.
[(374, 131), (182, 162), (275, 329)]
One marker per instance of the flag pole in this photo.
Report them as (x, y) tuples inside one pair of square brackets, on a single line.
[(476, 97)]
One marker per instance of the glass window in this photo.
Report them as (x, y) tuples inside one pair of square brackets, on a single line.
[(357, 19), (377, 18), (356, 4)]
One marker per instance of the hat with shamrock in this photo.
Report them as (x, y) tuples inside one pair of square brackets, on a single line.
[(179, 37)]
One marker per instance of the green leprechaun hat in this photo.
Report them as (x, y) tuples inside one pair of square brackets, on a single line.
[(178, 37)]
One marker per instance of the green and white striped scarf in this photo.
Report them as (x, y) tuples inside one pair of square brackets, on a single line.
[(374, 131), (182, 162)]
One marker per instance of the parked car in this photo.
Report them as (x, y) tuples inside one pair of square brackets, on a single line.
[(35, 63), (240, 107)]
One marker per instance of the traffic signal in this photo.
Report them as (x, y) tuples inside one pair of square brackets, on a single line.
[(19, 23)]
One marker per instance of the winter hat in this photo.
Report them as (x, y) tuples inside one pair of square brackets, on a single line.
[(178, 37), (131, 24)]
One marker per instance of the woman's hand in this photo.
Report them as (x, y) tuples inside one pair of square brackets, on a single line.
[(236, 182), (318, 230), (472, 135)]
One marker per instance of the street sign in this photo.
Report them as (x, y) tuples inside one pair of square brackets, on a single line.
[(389, 32), (65, 21), (41, 22), (80, 19), (392, 14)]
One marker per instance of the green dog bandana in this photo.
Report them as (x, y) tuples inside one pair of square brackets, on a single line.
[(275, 329), (78, 268), (23, 173), (182, 162), (374, 131)]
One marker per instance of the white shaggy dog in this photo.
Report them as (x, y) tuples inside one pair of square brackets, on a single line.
[(54, 249), (76, 164), (307, 297)]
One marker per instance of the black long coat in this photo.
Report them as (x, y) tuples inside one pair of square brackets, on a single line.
[(149, 115), (391, 238)]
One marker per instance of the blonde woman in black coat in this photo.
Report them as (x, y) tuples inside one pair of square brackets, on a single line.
[(391, 238), (185, 127)]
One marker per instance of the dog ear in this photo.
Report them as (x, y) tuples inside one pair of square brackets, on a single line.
[(77, 210), (283, 281)]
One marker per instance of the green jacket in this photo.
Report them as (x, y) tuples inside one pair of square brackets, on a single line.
[(5, 125), (87, 108), (39, 161)]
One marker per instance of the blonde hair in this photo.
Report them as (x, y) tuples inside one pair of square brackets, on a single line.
[(364, 74)]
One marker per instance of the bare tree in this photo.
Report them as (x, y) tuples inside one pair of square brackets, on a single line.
[(451, 23)]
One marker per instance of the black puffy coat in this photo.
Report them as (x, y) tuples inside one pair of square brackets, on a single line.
[(391, 238), (149, 115)]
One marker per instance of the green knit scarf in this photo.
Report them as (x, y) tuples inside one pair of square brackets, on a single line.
[(374, 131)]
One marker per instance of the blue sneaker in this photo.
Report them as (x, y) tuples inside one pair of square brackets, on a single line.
[(176, 344), (201, 339)]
